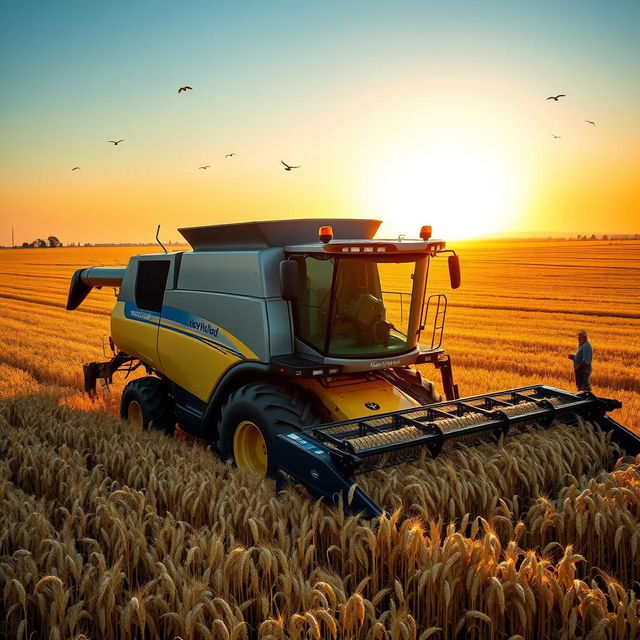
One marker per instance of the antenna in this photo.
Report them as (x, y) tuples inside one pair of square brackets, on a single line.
[(158, 239)]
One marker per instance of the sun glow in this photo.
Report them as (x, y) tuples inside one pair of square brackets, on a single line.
[(461, 191)]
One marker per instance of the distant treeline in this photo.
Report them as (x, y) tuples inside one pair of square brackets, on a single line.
[(53, 242), (41, 243), (623, 236)]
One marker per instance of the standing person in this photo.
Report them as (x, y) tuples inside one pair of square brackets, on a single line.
[(582, 362)]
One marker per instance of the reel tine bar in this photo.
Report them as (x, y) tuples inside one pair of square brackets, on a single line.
[(408, 432)]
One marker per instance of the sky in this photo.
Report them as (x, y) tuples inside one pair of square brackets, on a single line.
[(413, 112)]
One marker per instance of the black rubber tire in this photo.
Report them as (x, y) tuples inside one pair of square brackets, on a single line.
[(152, 395), (273, 408)]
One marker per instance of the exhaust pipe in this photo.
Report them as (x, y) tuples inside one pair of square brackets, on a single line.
[(84, 280)]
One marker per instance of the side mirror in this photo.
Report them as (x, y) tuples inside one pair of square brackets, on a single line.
[(454, 271), (289, 280)]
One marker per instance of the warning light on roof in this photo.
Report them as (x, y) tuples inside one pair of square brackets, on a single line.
[(325, 234), (425, 232)]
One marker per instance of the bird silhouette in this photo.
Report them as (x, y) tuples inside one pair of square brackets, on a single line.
[(230, 154), (560, 95), (116, 142), (590, 122), (288, 167), (75, 168), (206, 166), (185, 88), (555, 136)]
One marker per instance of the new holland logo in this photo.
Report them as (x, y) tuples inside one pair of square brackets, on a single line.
[(374, 406), (204, 327)]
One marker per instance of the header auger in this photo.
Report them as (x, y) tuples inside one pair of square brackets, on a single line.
[(289, 345)]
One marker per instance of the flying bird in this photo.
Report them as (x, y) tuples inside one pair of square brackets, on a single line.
[(590, 122), (186, 88), (288, 167), (230, 154), (75, 168), (116, 142), (560, 95), (555, 136), (206, 166)]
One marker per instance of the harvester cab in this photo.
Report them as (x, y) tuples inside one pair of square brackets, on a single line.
[(290, 346)]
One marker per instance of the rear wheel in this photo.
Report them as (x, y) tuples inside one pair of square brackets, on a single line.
[(252, 418), (146, 404)]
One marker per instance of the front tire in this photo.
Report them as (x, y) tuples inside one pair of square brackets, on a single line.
[(252, 418), (147, 405)]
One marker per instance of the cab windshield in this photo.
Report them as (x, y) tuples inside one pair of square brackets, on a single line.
[(354, 307)]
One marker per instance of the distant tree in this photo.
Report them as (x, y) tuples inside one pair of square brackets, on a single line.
[(39, 243), (605, 237), (593, 237), (54, 242), (25, 245)]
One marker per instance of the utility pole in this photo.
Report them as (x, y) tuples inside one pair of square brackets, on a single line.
[(13, 242)]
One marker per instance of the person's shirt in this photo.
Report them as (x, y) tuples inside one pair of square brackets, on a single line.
[(583, 354)]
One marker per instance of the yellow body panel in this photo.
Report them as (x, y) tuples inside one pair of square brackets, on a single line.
[(359, 399), (191, 351), (137, 335), (222, 338), (192, 364)]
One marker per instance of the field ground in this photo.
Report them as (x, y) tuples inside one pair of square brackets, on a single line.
[(107, 533)]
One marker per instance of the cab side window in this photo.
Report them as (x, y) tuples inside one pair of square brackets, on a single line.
[(151, 281), (312, 309)]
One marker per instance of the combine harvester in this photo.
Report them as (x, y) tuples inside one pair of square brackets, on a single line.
[(281, 344)]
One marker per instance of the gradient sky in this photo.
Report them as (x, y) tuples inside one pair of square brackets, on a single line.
[(415, 112)]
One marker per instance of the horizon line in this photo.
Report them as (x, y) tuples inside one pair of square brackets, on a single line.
[(521, 235)]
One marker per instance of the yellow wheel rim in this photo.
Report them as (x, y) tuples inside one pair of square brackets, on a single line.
[(134, 415), (250, 449)]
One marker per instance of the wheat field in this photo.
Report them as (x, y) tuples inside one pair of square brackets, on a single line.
[(110, 533), (512, 322)]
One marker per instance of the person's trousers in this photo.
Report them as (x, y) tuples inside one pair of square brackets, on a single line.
[(583, 379)]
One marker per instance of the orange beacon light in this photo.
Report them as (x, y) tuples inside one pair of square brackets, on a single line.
[(325, 234), (425, 232)]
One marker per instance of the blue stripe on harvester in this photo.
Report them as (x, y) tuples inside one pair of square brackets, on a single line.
[(219, 342)]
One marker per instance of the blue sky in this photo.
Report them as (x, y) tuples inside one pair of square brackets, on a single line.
[(317, 80)]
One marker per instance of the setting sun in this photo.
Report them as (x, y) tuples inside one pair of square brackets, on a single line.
[(463, 191)]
